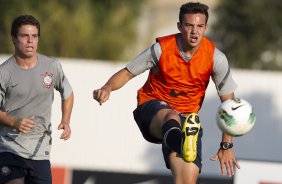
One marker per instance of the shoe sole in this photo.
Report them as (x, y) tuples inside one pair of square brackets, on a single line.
[(190, 133)]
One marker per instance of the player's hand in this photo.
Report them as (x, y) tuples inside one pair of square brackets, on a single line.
[(102, 95), (66, 134), (25, 125), (227, 161)]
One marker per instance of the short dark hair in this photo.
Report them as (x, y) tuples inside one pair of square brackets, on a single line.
[(192, 7), (24, 20)]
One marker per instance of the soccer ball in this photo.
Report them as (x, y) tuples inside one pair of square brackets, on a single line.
[(235, 117)]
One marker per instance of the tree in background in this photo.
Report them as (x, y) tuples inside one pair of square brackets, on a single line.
[(250, 33), (91, 29)]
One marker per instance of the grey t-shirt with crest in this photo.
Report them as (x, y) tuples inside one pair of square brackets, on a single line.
[(26, 93)]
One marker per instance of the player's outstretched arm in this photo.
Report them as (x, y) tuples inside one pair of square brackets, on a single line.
[(118, 80), (226, 157)]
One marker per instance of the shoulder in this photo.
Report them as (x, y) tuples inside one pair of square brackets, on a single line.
[(207, 46), (171, 36), (8, 68), (7, 63), (219, 57), (220, 62), (168, 42), (47, 60)]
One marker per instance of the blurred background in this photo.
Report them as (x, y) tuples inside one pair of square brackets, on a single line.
[(248, 31), (93, 39)]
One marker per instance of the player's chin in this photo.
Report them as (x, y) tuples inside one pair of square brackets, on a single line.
[(194, 43)]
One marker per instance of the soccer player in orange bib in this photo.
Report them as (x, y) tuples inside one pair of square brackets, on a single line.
[(180, 67)]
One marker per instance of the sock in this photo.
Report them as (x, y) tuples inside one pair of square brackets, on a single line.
[(172, 135)]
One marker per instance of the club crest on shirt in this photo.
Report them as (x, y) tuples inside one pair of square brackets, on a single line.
[(47, 80)]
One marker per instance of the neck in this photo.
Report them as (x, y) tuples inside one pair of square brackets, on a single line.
[(26, 62), (190, 51), (184, 47)]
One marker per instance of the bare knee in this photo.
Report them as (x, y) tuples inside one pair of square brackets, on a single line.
[(171, 114), (16, 181), (183, 172), (184, 176), (159, 119)]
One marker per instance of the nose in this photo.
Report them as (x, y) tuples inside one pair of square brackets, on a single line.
[(194, 29), (29, 39)]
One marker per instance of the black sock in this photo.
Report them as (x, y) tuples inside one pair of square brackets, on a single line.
[(172, 135)]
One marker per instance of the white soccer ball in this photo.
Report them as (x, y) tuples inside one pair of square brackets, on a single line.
[(235, 117)]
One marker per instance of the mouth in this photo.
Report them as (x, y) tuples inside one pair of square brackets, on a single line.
[(193, 39), (29, 48)]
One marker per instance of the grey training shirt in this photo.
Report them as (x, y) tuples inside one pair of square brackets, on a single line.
[(26, 93), (221, 75)]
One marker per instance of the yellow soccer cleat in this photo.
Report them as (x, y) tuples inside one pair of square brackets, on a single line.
[(190, 131)]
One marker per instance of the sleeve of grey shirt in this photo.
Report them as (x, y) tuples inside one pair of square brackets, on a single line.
[(62, 83), (2, 89), (145, 60), (221, 74)]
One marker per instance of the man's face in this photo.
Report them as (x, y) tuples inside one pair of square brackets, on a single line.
[(26, 41), (193, 28)]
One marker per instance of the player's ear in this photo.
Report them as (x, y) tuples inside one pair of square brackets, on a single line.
[(206, 27), (14, 39), (179, 26)]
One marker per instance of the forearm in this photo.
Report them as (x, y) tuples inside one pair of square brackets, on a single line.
[(67, 106), (118, 80), (7, 120), (226, 97), (226, 138)]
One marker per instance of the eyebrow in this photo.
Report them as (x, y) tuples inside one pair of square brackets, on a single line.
[(27, 34), (194, 24)]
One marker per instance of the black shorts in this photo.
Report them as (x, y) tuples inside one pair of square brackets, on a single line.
[(143, 116), (34, 171)]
